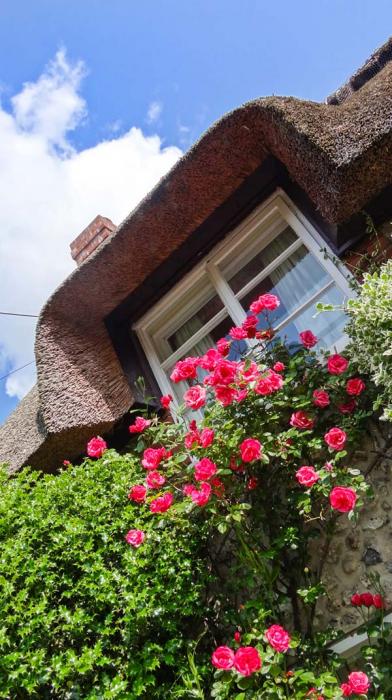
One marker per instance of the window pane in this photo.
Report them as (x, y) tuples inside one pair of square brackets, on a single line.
[(328, 326), (265, 257), (195, 323), (294, 281)]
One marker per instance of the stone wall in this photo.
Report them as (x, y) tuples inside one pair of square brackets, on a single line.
[(358, 550)]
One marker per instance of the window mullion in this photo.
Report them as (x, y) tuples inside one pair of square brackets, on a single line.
[(304, 306), (194, 339), (270, 268), (148, 347), (233, 306)]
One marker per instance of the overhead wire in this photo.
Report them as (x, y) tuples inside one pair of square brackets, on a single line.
[(17, 370), (10, 313)]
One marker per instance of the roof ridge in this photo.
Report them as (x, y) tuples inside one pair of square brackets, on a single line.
[(374, 64)]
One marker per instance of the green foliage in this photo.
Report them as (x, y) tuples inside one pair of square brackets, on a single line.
[(370, 331), (83, 615)]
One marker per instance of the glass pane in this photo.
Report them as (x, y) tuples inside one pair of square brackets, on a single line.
[(293, 282), (265, 257), (328, 326), (195, 323)]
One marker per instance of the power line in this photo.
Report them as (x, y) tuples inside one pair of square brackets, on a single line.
[(17, 370), (10, 313)]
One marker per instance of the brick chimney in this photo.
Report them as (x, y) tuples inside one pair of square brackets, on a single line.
[(91, 237)]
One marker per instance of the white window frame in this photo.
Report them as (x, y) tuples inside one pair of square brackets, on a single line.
[(264, 223), (351, 644)]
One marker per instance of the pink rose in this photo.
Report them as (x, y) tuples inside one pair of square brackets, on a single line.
[(188, 489), (279, 367), (218, 487), (335, 438), (225, 395), (321, 398), (237, 636), (238, 333), (264, 387), (271, 382), (337, 364), (354, 387), (378, 601), (223, 347), (249, 371), (162, 503), (96, 447), (301, 420), (224, 373), (275, 380), (184, 369), (204, 469), (192, 439), (356, 600), (201, 496), (166, 400), (135, 537), (66, 463), (366, 600), (307, 476), (195, 397), (137, 493), (308, 339), (209, 360), (264, 302), (153, 456), (139, 425), (241, 395), (278, 638), (155, 479), (342, 499), (348, 407), (252, 483), (250, 326), (247, 661), (250, 450), (207, 437), (346, 690), (223, 658), (359, 682)]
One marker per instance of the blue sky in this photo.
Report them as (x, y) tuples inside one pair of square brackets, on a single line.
[(167, 68)]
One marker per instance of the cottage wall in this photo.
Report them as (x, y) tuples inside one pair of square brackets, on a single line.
[(365, 548)]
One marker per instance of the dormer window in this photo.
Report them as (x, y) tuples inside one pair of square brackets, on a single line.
[(275, 250)]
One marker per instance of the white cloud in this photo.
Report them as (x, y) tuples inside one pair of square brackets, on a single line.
[(154, 112), (50, 193), (52, 106)]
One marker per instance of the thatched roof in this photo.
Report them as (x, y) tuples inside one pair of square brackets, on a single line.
[(339, 154)]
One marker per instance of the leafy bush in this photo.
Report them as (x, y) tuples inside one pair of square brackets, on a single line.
[(370, 330), (82, 614)]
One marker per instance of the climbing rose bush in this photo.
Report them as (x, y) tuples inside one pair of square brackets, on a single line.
[(268, 465)]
